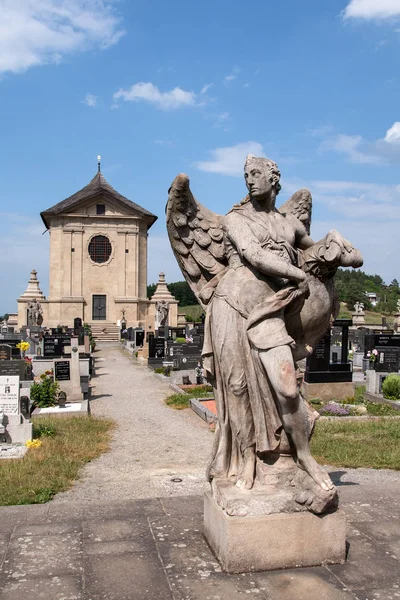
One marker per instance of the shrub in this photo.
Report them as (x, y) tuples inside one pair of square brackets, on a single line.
[(44, 393), (180, 340), (391, 387)]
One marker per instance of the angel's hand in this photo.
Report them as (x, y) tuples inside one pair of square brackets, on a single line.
[(303, 287), (337, 238)]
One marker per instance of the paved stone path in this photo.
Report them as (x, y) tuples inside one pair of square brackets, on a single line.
[(125, 532), (152, 443)]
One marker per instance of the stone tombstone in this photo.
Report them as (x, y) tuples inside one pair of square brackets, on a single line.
[(243, 268), (54, 345), (9, 395), (139, 337), (388, 359), (14, 368), (77, 324), (8, 341), (5, 352), (62, 370), (319, 360), (73, 386)]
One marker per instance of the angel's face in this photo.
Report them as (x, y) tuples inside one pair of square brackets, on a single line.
[(258, 182)]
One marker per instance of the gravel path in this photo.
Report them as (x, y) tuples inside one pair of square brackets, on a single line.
[(152, 442)]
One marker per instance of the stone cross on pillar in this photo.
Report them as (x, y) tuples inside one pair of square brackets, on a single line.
[(73, 349)]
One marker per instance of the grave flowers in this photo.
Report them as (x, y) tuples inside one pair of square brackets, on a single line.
[(372, 355), (23, 347), (33, 443)]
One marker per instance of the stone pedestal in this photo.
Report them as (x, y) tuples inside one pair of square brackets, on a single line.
[(275, 541), (358, 318), (328, 391)]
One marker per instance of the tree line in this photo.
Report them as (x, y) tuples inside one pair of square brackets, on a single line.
[(352, 286)]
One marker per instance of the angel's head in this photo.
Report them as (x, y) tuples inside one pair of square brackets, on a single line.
[(262, 177)]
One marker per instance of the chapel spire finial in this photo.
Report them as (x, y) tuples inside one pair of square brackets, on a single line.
[(98, 163)]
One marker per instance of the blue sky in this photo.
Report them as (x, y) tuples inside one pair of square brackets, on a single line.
[(159, 87)]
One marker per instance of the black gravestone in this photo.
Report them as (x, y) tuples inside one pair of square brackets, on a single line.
[(388, 359), (5, 352), (15, 352), (77, 325), (13, 368), (62, 370), (54, 345), (139, 338), (320, 358)]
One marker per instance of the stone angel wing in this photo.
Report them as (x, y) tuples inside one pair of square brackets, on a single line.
[(197, 239), (300, 206)]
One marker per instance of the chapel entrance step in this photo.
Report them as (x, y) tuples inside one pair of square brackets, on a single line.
[(105, 332)]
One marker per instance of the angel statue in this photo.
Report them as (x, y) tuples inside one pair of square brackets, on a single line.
[(162, 310), (268, 294)]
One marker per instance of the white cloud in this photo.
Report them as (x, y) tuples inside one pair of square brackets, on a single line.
[(230, 160), (205, 88), (148, 92), (372, 9), (90, 100), (351, 146), (233, 75), (37, 32), (358, 150), (393, 134)]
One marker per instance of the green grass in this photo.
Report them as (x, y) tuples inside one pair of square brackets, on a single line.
[(181, 401), (194, 311), (67, 444), (178, 401), (371, 444)]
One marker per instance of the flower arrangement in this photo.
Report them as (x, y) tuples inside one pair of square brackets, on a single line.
[(372, 355), (23, 347), (33, 443)]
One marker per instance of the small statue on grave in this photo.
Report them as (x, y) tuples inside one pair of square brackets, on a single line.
[(267, 290), (359, 307), (162, 310)]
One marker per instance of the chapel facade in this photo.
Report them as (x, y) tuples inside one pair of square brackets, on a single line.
[(98, 258)]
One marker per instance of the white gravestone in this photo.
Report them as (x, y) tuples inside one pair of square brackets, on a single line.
[(9, 395), (15, 428)]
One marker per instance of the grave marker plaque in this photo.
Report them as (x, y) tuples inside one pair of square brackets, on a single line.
[(388, 359), (62, 370), (9, 395)]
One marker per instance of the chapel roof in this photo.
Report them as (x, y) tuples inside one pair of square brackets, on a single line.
[(98, 185)]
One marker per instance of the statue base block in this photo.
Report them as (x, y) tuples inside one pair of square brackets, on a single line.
[(328, 391), (275, 541)]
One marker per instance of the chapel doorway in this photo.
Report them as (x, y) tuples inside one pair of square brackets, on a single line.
[(99, 308)]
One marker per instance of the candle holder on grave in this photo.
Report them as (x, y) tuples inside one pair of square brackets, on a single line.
[(62, 399)]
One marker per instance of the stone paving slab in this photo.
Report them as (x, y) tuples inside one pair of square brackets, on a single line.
[(154, 550)]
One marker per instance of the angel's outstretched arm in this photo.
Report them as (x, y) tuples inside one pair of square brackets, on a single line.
[(262, 259)]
